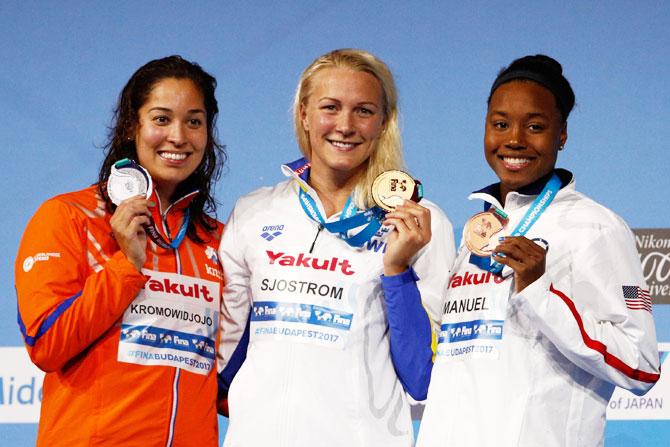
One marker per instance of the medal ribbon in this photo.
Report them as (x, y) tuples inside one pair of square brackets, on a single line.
[(350, 218), (155, 235), (536, 209), (151, 228)]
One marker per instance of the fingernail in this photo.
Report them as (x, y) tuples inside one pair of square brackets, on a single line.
[(501, 238)]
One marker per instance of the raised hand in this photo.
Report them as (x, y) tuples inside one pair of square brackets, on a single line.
[(128, 227), (524, 256), (411, 233)]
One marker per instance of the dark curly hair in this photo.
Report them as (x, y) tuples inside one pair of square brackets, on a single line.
[(543, 70), (121, 138)]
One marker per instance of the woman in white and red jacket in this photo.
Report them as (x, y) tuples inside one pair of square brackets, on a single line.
[(546, 309)]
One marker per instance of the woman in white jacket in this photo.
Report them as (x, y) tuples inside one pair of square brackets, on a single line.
[(323, 327), (546, 309)]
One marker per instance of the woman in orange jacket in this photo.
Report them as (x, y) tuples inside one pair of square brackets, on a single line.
[(125, 325)]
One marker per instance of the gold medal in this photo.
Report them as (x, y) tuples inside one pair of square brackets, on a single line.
[(391, 188), (480, 230)]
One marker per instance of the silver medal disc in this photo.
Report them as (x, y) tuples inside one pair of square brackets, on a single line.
[(128, 181)]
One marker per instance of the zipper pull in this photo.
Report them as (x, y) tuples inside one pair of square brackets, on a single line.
[(315, 237)]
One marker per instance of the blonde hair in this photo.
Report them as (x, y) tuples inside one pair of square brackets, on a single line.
[(388, 151)]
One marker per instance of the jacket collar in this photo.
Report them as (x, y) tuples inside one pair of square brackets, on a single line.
[(178, 205), (491, 193), (298, 170)]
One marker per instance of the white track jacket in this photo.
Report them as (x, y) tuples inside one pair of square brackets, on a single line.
[(319, 368), (568, 339)]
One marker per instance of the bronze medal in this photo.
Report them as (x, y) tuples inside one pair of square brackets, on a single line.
[(480, 230)]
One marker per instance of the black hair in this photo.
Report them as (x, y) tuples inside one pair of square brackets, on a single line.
[(121, 138), (543, 70)]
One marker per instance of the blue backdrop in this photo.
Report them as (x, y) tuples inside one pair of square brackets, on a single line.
[(64, 63)]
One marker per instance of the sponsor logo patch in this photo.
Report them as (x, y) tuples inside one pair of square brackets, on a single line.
[(310, 262), (179, 286), (210, 252), (30, 261), (270, 232)]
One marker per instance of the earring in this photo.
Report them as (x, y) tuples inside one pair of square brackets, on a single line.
[(560, 148)]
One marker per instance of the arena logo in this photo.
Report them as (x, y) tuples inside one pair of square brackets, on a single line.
[(270, 232), (309, 262)]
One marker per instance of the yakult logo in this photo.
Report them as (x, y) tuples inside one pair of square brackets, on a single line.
[(473, 279), (172, 286), (309, 262)]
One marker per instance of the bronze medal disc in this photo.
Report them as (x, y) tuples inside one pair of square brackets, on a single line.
[(478, 232)]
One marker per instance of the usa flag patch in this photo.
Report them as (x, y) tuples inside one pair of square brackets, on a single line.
[(637, 298)]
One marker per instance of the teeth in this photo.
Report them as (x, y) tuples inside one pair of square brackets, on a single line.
[(515, 161), (173, 155), (342, 145)]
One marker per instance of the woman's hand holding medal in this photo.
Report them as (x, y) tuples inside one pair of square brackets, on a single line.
[(412, 232), (129, 186), (524, 256), (128, 223), (396, 192)]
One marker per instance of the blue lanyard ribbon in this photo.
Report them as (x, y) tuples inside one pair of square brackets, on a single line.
[(350, 218), (536, 209), (155, 236)]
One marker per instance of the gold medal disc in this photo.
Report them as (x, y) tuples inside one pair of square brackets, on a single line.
[(391, 188)]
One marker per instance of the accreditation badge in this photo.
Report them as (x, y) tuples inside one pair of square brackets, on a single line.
[(480, 231), (391, 188), (294, 306), (172, 322), (473, 314)]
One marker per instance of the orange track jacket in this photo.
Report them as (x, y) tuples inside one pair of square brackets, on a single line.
[(73, 286)]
